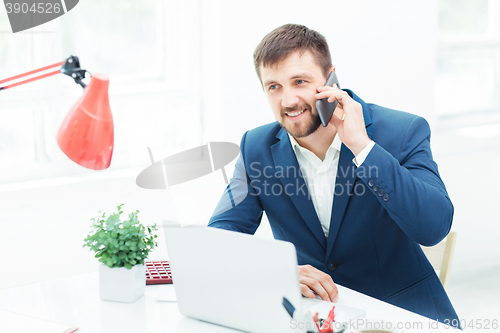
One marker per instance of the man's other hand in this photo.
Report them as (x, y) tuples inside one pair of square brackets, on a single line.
[(313, 281)]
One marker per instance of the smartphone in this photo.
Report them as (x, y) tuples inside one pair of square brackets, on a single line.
[(326, 109)]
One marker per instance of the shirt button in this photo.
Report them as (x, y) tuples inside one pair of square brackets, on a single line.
[(371, 182), (386, 197), (380, 193), (332, 266), (375, 188)]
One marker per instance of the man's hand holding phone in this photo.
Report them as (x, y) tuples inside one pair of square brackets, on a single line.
[(347, 118)]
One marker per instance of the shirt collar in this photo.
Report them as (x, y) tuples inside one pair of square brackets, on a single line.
[(336, 143)]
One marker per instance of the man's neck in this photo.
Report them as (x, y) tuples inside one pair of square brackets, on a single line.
[(319, 141)]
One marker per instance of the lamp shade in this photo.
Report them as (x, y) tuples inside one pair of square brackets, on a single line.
[(86, 135)]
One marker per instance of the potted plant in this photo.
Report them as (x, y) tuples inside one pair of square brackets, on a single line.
[(121, 246)]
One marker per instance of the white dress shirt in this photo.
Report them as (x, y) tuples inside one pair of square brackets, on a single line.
[(320, 176)]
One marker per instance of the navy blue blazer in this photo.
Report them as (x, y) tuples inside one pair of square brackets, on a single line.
[(381, 211)]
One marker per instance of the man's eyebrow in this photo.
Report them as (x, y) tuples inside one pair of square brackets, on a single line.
[(268, 82), (303, 75)]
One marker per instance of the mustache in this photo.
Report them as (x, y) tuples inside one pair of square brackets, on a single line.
[(299, 107)]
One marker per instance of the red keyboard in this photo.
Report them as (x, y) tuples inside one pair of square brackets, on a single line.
[(158, 272)]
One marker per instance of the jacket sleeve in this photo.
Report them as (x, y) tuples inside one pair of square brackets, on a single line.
[(409, 187), (240, 208)]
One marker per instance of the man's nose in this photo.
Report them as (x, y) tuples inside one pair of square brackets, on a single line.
[(289, 98)]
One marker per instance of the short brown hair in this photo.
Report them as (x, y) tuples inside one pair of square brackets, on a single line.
[(284, 40)]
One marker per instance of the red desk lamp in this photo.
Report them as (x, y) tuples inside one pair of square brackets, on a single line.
[(86, 135)]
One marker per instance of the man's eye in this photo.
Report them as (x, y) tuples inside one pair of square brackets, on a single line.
[(300, 81), (273, 86)]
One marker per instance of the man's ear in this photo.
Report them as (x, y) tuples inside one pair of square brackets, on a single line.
[(332, 69)]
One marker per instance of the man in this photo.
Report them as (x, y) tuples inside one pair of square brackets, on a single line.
[(356, 198)]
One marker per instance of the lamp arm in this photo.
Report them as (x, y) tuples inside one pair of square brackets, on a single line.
[(29, 73), (70, 67)]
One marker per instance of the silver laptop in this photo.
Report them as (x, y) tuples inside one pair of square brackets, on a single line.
[(237, 280)]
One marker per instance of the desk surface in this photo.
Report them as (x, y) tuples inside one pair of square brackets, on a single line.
[(75, 301)]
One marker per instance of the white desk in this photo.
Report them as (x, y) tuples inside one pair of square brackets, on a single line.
[(75, 301)]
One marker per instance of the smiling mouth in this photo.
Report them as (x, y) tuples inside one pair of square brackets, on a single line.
[(294, 114)]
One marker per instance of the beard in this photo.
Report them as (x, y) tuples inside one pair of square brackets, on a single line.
[(302, 128)]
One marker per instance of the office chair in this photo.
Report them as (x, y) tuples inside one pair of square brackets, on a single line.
[(441, 255)]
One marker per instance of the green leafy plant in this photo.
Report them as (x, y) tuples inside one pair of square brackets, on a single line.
[(120, 243)]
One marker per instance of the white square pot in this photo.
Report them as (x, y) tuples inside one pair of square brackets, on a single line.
[(121, 284)]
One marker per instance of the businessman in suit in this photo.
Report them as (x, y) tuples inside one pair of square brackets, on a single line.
[(356, 197)]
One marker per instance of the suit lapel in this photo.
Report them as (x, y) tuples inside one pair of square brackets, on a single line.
[(284, 157), (346, 177), (342, 193)]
